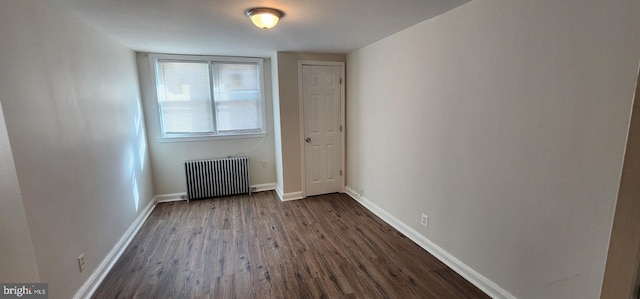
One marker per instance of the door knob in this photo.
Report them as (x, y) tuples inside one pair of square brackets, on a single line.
[(308, 139)]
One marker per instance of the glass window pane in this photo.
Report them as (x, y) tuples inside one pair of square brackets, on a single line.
[(184, 97), (237, 97)]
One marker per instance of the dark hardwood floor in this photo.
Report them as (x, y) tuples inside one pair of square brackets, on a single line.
[(258, 247)]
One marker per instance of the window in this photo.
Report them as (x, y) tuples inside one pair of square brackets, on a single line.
[(209, 97)]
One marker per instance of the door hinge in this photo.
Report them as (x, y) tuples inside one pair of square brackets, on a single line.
[(340, 128), (340, 81), (340, 172)]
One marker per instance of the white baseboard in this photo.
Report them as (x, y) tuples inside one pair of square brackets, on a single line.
[(278, 191), (288, 196), (183, 195), (292, 196), (170, 197), (483, 283), (91, 284), (263, 187)]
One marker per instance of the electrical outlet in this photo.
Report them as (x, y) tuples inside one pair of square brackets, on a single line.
[(264, 164), (424, 220), (81, 264)]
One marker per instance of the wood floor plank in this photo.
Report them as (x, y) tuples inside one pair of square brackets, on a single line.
[(255, 246)]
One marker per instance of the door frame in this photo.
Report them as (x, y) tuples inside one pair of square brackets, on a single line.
[(341, 64)]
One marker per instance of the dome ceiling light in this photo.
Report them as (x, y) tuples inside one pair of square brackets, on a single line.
[(264, 17)]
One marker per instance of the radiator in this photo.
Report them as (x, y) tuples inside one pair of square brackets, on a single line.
[(217, 177)]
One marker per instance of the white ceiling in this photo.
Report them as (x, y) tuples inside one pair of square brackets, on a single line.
[(219, 27)]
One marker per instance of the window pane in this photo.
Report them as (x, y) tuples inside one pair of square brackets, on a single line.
[(184, 97), (237, 97)]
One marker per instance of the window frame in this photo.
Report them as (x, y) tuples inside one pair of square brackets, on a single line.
[(154, 60)]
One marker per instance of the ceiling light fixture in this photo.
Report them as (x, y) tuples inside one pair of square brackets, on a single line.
[(264, 17)]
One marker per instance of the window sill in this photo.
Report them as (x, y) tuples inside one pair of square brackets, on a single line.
[(210, 137)]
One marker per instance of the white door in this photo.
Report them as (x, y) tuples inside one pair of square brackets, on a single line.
[(321, 100)]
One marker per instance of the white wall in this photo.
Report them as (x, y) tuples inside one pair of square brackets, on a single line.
[(621, 277), (277, 130), (167, 158), (289, 111), (18, 260), (504, 121), (71, 103)]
